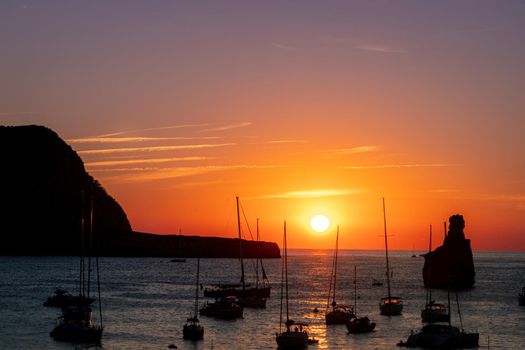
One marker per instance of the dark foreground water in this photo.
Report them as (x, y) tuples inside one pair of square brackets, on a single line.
[(146, 301)]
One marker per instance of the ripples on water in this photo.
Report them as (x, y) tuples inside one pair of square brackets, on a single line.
[(147, 300)]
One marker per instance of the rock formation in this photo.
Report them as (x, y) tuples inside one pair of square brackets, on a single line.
[(451, 265)]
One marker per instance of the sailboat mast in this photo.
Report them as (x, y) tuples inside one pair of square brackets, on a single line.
[(196, 310), (90, 244), (286, 271), (81, 277), (430, 250), (257, 260), (386, 251), (355, 290), (335, 263), (282, 285), (240, 244)]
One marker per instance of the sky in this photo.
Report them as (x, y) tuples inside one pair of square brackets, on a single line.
[(297, 107)]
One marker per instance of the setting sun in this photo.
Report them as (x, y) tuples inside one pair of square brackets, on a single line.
[(319, 223)]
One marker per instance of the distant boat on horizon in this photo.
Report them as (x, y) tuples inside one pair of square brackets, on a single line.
[(179, 257), (390, 305)]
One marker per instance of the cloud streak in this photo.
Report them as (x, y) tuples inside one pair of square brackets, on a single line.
[(358, 149), (396, 166), (152, 148), (378, 48), (171, 173), (229, 127), (181, 126), (313, 193), (142, 161), (134, 139)]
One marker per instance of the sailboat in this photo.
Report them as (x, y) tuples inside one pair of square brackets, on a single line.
[(251, 295), (414, 252), (442, 335), (192, 329), (433, 312), (296, 334), (179, 257), (336, 313), (390, 305), (359, 324), (75, 324)]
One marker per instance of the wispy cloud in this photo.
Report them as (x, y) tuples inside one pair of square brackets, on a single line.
[(287, 141), (152, 148), (197, 184), (394, 166), (229, 127), (171, 173), (313, 193), (358, 149), (13, 114), (134, 139), (443, 190), (283, 47), (379, 48), (142, 161), (181, 126)]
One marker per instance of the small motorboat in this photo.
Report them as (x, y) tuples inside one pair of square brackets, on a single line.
[(192, 329), (441, 336), (522, 297), (391, 306), (376, 283), (360, 325), (434, 312), (227, 308)]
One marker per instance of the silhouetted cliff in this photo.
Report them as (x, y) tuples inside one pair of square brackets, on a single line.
[(42, 185), (42, 181), (452, 263)]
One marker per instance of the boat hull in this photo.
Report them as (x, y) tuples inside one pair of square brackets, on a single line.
[(222, 310), (238, 292), (433, 316), (77, 334), (391, 306), (360, 325), (437, 336), (193, 332), (292, 340), (336, 317)]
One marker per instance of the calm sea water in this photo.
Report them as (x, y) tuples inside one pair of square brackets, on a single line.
[(146, 300)]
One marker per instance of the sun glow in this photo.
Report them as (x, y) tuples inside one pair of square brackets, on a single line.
[(319, 223)]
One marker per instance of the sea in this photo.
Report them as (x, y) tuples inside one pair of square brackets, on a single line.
[(145, 301)]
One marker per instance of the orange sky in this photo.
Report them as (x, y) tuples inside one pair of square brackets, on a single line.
[(299, 109)]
